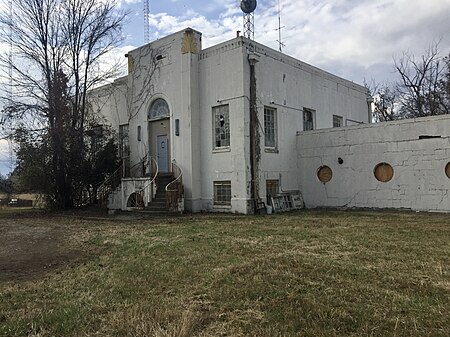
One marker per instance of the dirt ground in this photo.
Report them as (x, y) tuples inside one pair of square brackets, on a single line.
[(33, 244)]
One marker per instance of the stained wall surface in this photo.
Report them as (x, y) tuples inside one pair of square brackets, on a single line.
[(418, 151), (194, 81)]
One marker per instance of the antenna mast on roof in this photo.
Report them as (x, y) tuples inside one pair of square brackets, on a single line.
[(146, 21), (280, 41), (248, 6), (10, 85)]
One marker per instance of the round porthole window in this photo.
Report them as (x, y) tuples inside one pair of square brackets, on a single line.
[(383, 172), (324, 173), (447, 170)]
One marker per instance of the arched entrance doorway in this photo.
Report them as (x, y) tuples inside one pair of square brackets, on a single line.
[(159, 133)]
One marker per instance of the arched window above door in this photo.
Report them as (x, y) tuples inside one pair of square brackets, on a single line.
[(159, 109)]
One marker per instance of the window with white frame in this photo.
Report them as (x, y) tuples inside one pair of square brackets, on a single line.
[(221, 118), (308, 119), (222, 193), (270, 128), (124, 145), (338, 121), (124, 148)]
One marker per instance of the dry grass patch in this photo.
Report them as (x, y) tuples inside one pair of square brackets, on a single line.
[(300, 274)]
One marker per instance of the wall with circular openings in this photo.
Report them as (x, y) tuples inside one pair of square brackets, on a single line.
[(324, 173), (383, 172), (447, 170)]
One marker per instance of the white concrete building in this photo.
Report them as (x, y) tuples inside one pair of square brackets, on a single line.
[(228, 125), (402, 164)]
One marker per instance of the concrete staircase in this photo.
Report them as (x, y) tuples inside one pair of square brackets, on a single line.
[(158, 205)]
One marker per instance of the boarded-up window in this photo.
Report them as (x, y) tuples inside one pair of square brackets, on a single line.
[(324, 173), (383, 172)]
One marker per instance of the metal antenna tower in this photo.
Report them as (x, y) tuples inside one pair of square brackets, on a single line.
[(248, 7), (249, 25), (280, 41), (146, 21), (10, 85)]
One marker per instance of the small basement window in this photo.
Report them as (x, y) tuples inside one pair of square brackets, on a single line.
[(222, 193)]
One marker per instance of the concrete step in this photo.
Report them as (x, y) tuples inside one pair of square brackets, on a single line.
[(157, 204), (158, 212)]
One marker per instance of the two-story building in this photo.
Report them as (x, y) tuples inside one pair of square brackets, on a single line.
[(223, 120)]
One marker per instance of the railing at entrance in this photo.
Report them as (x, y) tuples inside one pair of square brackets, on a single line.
[(109, 185), (174, 190), (146, 192)]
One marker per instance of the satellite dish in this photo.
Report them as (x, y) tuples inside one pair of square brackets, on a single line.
[(248, 6)]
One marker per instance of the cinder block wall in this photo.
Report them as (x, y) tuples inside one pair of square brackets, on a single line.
[(415, 152)]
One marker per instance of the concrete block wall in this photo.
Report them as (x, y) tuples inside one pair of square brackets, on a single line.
[(418, 150)]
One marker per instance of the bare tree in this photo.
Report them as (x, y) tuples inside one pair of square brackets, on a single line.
[(58, 48), (420, 85), (385, 101)]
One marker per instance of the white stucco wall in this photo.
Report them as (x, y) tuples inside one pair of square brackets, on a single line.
[(289, 85), (110, 102), (419, 181), (221, 81), (193, 83)]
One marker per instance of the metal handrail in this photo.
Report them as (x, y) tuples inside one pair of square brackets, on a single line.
[(149, 184), (176, 179), (110, 184), (174, 189)]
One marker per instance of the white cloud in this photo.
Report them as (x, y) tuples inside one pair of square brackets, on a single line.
[(359, 33), (342, 36), (5, 161)]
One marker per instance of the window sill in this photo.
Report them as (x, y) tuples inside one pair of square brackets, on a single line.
[(220, 150), (222, 206), (271, 150)]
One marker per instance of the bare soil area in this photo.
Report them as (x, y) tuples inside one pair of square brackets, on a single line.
[(33, 245)]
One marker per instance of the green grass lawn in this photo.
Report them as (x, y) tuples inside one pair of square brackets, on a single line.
[(314, 273)]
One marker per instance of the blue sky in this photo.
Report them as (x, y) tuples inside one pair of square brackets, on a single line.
[(355, 39)]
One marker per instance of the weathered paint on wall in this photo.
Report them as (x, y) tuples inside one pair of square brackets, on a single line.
[(193, 80), (418, 151)]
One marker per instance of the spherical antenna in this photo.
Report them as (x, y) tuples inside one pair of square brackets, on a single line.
[(248, 6)]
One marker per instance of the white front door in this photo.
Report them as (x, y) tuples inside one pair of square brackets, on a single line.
[(162, 147)]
